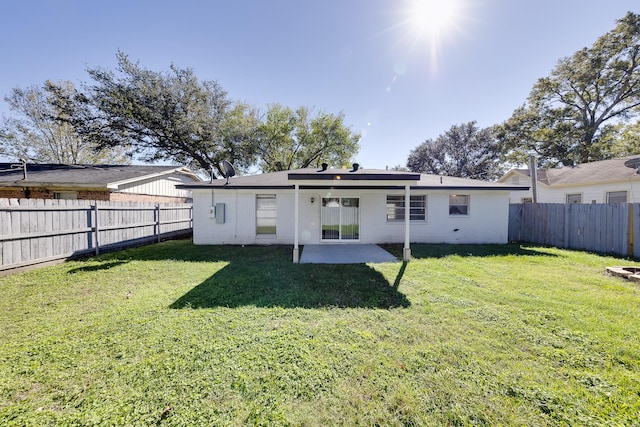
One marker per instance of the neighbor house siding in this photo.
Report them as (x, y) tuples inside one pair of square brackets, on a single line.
[(595, 193), (127, 197), (160, 186)]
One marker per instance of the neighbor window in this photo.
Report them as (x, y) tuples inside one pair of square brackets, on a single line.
[(266, 214), (458, 204), (417, 209), (574, 198), (65, 195), (616, 197)]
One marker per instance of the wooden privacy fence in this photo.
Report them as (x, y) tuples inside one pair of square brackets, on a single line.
[(35, 231), (604, 228)]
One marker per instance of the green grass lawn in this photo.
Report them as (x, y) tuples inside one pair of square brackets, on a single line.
[(176, 334)]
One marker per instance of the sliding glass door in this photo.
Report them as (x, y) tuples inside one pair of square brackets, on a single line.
[(340, 218)]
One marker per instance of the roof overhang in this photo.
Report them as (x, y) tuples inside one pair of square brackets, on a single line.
[(57, 185), (333, 186), (350, 176)]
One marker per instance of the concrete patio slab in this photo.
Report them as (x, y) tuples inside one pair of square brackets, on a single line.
[(345, 254)]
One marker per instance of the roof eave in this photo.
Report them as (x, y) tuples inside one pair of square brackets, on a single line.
[(180, 169), (22, 184), (350, 176)]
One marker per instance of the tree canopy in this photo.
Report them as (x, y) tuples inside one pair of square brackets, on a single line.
[(170, 116), (295, 139), (463, 151), (173, 116), (572, 115), (40, 129)]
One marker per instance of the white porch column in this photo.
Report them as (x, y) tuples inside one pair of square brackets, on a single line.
[(296, 249), (406, 251)]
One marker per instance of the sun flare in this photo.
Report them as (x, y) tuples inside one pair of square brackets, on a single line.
[(431, 25), (433, 18)]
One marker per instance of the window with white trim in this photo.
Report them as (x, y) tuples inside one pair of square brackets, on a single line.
[(266, 214), (616, 197), (459, 204), (417, 208), (574, 198)]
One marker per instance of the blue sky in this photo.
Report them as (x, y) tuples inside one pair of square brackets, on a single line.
[(396, 80)]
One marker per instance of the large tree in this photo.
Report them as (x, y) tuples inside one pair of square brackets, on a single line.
[(170, 116), (40, 130), (463, 151), (297, 139), (569, 115)]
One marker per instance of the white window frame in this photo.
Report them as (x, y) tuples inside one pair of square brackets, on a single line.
[(266, 213), (395, 207), (463, 208), (619, 193), (569, 196)]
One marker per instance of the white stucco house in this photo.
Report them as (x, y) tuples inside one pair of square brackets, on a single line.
[(317, 206), (606, 181)]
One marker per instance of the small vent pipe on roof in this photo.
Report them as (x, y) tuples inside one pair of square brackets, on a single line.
[(356, 166), (23, 165), (325, 166)]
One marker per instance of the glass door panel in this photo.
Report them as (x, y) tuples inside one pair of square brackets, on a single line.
[(340, 218), (330, 218), (349, 214)]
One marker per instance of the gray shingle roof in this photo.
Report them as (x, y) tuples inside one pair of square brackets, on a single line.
[(594, 172), (11, 174), (361, 177)]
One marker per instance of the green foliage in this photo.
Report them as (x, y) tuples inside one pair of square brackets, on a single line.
[(292, 139), (170, 116), (567, 114), (41, 130), (463, 151), (177, 334)]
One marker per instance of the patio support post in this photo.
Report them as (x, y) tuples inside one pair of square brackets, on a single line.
[(296, 203), (406, 251)]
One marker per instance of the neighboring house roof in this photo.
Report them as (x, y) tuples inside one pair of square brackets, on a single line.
[(345, 178), (600, 172), (84, 176)]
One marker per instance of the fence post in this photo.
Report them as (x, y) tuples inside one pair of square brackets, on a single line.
[(567, 215), (94, 208), (630, 238), (157, 219)]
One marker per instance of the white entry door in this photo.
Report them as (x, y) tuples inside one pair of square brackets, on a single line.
[(340, 218)]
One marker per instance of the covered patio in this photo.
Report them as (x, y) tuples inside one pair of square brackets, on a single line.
[(345, 254), (356, 179)]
